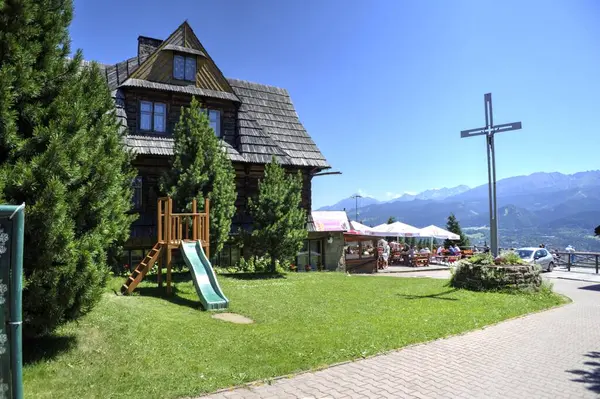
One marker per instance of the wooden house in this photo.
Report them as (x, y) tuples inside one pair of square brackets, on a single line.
[(254, 121)]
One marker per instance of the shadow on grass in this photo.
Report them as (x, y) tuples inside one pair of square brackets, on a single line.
[(252, 276), (439, 295), (175, 298), (590, 376), (176, 277), (595, 287), (46, 348)]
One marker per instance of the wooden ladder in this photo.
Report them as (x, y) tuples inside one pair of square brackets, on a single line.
[(141, 270)]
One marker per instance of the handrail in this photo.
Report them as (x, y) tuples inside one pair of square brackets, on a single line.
[(175, 227), (586, 260)]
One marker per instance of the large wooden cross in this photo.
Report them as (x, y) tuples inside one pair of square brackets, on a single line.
[(489, 130)]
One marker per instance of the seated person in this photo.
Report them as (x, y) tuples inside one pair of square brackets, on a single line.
[(456, 250), (451, 250), (440, 251)]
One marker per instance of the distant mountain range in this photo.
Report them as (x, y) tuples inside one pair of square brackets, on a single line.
[(541, 207), (362, 201)]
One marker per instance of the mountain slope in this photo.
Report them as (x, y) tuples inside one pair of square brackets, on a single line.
[(350, 203)]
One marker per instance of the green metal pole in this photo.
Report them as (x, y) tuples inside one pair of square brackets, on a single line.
[(16, 308)]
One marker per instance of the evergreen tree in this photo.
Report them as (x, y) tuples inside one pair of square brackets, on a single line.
[(62, 153), (391, 220), (453, 226), (279, 223), (597, 231), (201, 169)]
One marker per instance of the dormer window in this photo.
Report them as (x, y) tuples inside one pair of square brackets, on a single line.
[(184, 67)]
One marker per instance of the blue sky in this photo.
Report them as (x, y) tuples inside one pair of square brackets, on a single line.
[(385, 87)]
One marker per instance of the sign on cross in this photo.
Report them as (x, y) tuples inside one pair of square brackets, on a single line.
[(489, 130)]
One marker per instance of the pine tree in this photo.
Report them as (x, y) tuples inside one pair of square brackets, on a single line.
[(279, 223), (391, 220), (201, 169), (597, 231), (61, 152), (453, 226)]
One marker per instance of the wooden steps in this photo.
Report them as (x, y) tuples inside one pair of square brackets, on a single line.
[(141, 270)]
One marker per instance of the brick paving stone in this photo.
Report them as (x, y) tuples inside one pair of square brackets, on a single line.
[(542, 355)]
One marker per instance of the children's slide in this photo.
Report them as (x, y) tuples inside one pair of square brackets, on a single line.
[(204, 277)]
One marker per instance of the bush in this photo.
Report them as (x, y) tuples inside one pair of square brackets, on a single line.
[(257, 264)]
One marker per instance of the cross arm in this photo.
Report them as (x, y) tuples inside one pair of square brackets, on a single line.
[(495, 129)]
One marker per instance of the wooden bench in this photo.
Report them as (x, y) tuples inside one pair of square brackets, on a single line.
[(420, 260)]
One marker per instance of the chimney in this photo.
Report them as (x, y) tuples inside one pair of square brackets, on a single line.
[(146, 46)]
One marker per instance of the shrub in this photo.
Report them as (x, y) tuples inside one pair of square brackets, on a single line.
[(257, 264), (509, 258)]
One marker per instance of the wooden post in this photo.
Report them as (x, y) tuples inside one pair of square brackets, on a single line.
[(568, 261), (159, 236), (207, 227), (596, 263), (194, 220), (168, 244), (161, 261)]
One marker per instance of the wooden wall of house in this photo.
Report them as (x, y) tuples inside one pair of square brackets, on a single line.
[(247, 177), (151, 168), (174, 102)]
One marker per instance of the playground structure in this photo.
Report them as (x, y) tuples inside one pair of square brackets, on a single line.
[(188, 233)]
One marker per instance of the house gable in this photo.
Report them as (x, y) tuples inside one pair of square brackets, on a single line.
[(158, 67)]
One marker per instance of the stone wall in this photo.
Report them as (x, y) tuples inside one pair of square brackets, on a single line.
[(494, 277)]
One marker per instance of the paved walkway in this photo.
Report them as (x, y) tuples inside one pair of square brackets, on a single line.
[(553, 354)]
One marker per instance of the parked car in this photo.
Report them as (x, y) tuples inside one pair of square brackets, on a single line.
[(539, 256)]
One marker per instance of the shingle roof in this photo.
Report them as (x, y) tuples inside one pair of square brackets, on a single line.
[(160, 145), (193, 90), (272, 110), (267, 122), (181, 49)]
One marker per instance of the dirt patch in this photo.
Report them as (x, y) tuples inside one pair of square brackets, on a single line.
[(233, 318)]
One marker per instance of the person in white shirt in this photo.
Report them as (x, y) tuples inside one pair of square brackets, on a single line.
[(456, 250), (570, 250), (440, 250), (386, 254)]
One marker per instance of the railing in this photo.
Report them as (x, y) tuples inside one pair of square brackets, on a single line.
[(589, 260), (174, 227)]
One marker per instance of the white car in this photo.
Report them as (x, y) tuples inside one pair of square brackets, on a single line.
[(538, 256)]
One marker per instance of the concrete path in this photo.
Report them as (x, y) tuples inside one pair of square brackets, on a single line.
[(553, 354)]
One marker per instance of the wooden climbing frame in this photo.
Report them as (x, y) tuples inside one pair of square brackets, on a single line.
[(172, 229)]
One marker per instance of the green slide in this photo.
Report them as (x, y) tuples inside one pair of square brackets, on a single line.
[(204, 277)]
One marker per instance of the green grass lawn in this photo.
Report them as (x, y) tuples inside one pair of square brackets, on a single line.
[(145, 346)]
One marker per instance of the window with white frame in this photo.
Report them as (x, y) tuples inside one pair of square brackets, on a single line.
[(153, 116), (184, 67)]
